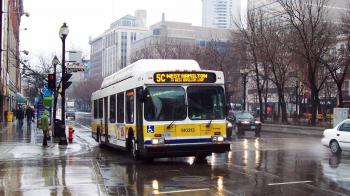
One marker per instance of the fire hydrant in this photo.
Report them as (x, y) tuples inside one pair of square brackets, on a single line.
[(70, 133)]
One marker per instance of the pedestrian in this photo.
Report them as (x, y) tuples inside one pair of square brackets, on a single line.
[(44, 121), (20, 115), (29, 114)]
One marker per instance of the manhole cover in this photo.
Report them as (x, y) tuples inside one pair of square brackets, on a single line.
[(188, 178)]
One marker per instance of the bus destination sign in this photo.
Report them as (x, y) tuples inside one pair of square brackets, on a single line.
[(184, 77)]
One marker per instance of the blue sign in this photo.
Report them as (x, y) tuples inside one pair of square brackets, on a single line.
[(47, 92), (150, 128)]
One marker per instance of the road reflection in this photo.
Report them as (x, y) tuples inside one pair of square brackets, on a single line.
[(336, 171), (177, 176)]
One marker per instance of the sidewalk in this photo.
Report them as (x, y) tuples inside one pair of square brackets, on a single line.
[(26, 143), (28, 168)]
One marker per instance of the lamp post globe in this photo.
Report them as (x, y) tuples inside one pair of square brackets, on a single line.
[(64, 31), (55, 61)]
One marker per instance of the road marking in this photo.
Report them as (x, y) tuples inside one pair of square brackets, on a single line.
[(180, 191), (283, 183)]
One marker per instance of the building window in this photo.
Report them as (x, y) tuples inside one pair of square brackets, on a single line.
[(156, 31)]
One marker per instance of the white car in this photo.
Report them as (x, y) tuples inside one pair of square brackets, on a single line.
[(338, 138)]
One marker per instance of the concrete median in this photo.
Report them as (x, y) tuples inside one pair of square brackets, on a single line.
[(292, 129)]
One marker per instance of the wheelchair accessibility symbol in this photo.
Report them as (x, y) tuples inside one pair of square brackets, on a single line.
[(150, 128)]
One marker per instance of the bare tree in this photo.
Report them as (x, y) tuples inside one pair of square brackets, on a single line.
[(307, 20), (35, 76), (251, 38), (276, 53), (81, 91), (338, 61)]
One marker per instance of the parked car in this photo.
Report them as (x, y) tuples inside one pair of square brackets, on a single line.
[(244, 121), (337, 138), (70, 113)]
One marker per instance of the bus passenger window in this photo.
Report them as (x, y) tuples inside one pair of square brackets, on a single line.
[(120, 108), (95, 109), (129, 106), (112, 108), (100, 108)]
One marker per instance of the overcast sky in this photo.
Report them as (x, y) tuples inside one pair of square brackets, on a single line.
[(91, 18)]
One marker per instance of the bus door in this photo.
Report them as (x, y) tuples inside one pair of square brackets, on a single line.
[(105, 118), (139, 117)]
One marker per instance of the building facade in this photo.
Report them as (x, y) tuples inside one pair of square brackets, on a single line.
[(167, 33), (335, 9), (221, 14), (112, 49), (10, 77), (96, 48)]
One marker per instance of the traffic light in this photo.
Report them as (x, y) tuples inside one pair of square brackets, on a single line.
[(65, 82), (51, 81)]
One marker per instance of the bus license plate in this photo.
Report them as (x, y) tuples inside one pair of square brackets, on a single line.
[(253, 127)]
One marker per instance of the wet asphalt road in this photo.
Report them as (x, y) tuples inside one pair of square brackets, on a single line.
[(275, 164)]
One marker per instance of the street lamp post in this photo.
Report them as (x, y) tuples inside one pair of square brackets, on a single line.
[(63, 34), (244, 73)]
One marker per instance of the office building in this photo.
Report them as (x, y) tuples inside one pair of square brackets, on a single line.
[(223, 14), (176, 34), (110, 51)]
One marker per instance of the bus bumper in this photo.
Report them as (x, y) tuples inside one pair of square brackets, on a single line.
[(185, 150)]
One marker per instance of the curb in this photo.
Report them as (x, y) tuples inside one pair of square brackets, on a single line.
[(293, 129)]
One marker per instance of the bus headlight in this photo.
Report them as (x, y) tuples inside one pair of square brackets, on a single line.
[(156, 141), (217, 139)]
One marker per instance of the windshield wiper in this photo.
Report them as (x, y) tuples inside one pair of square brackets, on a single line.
[(208, 125), (171, 124)]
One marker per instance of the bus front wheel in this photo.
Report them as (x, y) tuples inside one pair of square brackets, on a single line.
[(201, 157)]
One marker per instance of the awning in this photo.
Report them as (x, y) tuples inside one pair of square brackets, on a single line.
[(20, 99)]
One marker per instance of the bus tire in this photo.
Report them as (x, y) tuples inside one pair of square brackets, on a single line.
[(129, 140), (201, 157), (98, 135)]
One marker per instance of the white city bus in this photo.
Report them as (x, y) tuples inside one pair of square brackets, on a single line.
[(162, 108)]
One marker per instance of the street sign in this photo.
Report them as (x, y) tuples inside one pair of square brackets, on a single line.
[(340, 114), (74, 68), (75, 56)]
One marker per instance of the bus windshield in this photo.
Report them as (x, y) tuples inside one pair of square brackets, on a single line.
[(205, 102), (165, 104)]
